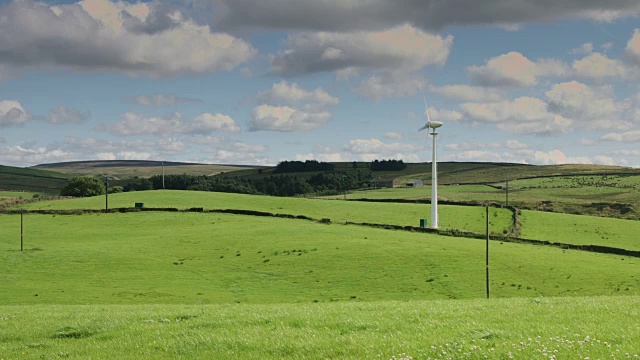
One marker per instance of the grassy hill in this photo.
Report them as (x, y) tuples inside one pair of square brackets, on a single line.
[(125, 169), (31, 180)]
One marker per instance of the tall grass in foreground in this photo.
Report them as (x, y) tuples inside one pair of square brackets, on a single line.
[(537, 328)]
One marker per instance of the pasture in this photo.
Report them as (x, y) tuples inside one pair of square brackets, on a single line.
[(522, 328), (452, 217), (194, 258), (172, 285), (579, 229)]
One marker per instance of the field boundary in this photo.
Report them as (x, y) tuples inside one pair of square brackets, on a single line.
[(453, 233)]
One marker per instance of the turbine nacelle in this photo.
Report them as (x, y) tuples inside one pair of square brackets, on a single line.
[(431, 125)]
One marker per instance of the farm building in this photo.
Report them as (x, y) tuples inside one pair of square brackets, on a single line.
[(414, 182), (385, 183)]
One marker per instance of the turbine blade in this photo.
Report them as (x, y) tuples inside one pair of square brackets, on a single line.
[(426, 126), (426, 108)]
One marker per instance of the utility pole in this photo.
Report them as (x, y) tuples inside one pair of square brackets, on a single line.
[(21, 230), (162, 175), (106, 194), (487, 247)]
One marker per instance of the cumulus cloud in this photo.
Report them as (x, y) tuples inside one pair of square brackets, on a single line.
[(99, 35), (589, 107), (627, 136), (160, 100), (137, 124), (426, 14), (285, 118), (208, 122), (468, 93), (632, 51), (599, 66), (289, 107), (63, 115), (12, 113), (524, 115), (515, 70), (403, 47), (283, 92)]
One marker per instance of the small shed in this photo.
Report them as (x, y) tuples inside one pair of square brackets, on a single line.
[(414, 183)]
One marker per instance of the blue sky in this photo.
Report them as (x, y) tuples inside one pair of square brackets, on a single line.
[(260, 81)]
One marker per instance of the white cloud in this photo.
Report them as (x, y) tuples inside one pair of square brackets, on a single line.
[(101, 35), (160, 100), (632, 51), (589, 108), (12, 113), (628, 136), (515, 70), (289, 107), (524, 115), (63, 115), (208, 122), (599, 66), (401, 48), (285, 118), (468, 93), (171, 124), (285, 93), (515, 144)]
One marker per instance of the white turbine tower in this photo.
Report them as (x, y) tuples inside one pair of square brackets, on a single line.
[(434, 167)]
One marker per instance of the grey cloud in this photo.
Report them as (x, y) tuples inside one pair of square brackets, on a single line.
[(158, 20), (401, 48), (82, 38), (63, 115), (346, 15)]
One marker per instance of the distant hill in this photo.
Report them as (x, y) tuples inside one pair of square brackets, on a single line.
[(126, 169), (33, 180), (462, 172)]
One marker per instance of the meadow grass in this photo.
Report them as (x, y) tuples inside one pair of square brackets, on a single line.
[(452, 217), (580, 229), (533, 328), (193, 258)]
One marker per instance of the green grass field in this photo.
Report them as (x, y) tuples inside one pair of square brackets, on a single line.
[(534, 328), (453, 217), (580, 229), (193, 258), (206, 285)]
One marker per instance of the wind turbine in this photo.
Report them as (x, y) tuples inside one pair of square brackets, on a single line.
[(434, 167)]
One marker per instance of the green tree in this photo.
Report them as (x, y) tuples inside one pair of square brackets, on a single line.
[(83, 186)]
